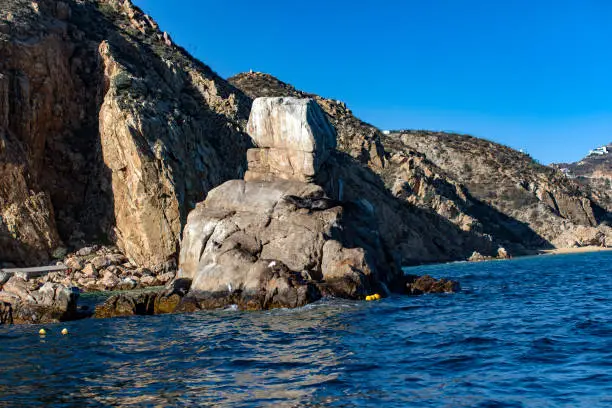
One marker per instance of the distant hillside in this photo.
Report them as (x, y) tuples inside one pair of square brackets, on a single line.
[(478, 185), (594, 173)]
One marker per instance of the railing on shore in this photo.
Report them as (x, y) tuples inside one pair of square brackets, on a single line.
[(35, 272)]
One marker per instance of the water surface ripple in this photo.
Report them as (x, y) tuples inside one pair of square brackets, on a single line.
[(533, 332)]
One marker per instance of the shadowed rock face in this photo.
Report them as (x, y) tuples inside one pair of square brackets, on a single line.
[(108, 131)]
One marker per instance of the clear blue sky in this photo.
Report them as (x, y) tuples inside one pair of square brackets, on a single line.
[(532, 74)]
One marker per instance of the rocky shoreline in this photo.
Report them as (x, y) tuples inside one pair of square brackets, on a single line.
[(278, 238)]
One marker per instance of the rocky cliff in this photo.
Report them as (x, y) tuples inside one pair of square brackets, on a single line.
[(540, 198), (108, 131), (110, 134), (594, 173)]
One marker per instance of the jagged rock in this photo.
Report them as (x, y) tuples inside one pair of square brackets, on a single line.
[(87, 251), (20, 303), (502, 253), (90, 271), (581, 236), (165, 277), (74, 263), (149, 280), (418, 285), (162, 301), (478, 257)]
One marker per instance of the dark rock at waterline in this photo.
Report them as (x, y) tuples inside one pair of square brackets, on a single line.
[(6, 313), (145, 303), (418, 285)]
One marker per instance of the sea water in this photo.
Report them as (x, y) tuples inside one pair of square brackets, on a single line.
[(533, 332)]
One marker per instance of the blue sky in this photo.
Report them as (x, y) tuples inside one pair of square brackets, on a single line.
[(531, 74)]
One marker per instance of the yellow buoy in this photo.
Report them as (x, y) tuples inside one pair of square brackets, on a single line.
[(42, 332), (368, 298), (376, 296), (64, 331)]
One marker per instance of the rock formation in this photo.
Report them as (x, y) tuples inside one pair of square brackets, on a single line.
[(108, 131), (103, 268), (355, 137), (274, 240), (110, 134), (293, 139), (541, 198), (23, 301)]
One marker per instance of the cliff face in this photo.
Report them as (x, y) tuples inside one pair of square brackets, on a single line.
[(108, 131), (540, 197)]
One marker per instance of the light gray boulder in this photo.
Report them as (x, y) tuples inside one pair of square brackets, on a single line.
[(296, 124), (293, 137)]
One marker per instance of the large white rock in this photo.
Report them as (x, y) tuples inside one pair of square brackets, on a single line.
[(296, 124)]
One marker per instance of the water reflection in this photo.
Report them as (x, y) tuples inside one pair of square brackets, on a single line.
[(516, 335)]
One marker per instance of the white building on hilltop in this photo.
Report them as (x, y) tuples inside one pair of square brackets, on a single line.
[(600, 151)]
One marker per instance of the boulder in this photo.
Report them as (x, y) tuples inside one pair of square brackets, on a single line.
[(418, 285), (502, 253), (295, 124), (74, 263), (50, 303), (293, 137), (90, 270), (166, 300), (249, 245), (478, 257)]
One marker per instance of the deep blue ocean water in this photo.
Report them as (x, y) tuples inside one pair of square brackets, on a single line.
[(533, 332)]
